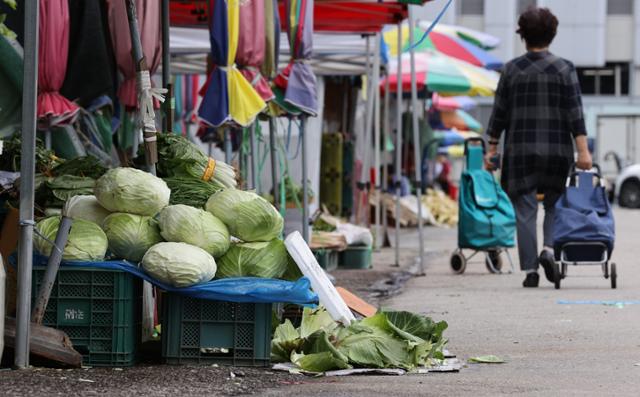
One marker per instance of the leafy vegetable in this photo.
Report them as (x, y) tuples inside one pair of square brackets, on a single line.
[(87, 208), (259, 259), (190, 191), (179, 264), (87, 166), (181, 223), (132, 191), (86, 242), (130, 236), (12, 148), (386, 340), (248, 216), (179, 157)]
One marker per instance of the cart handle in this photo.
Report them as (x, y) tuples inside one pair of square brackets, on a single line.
[(474, 139)]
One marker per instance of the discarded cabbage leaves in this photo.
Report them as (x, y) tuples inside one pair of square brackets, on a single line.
[(184, 224), (248, 216), (86, 241), (259, 259), (130, 236)]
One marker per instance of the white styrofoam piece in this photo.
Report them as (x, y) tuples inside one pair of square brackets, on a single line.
[(306, 261)]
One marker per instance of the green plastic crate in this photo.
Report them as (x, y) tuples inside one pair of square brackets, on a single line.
[(355, 258), (99, 310), (327, 259), (199, 331)]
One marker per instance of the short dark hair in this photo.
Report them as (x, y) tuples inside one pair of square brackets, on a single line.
[(537, 26)]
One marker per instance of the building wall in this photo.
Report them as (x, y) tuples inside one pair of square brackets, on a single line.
[(586, 34)]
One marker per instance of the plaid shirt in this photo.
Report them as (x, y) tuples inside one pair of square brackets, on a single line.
[(538, 105)]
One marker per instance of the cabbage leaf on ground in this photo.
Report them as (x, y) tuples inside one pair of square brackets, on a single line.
[(386, 340)]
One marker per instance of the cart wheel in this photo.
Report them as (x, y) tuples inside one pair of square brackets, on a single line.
[(605, 268), (493, 261), (458, 262), (557, 277), (614, 276), (563, 272)]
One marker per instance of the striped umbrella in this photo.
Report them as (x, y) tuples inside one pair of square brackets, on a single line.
[(444, 75), (439, 102), (252, 50), (228, 97), (475, 37), (454, 119), (448, 45)]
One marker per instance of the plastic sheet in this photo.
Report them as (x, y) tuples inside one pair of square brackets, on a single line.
[(241, 289)]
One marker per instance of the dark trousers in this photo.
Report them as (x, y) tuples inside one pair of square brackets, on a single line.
[(526, 207)]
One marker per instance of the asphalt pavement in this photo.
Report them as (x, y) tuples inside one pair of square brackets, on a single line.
[(553, 345)]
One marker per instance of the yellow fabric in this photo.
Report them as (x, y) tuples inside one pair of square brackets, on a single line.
[(244, 102), (391, 39)]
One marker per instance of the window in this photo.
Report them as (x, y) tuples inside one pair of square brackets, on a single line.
[(612, 79), (619, 7), (471, 7), (523, 5)]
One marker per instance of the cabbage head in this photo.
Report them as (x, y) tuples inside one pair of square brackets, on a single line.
[(130, 236), (86, 242), (257, 259), (179, 264), (132, 191), (87, 208), (183, 224), (248, 216)]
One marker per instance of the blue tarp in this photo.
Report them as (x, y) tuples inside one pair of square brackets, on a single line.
[(239, 289)]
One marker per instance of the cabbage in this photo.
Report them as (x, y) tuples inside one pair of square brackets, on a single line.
[(87, 208), (179, 264), (130, 236), (184, 224), (248, 216), (132, 191), (86, 242), (258, 259)]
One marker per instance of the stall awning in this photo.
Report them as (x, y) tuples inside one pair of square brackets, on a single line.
[(352, 16)]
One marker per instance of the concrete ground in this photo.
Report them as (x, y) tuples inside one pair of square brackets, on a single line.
[(551, 349)]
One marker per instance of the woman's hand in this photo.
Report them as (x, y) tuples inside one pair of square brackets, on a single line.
[(584, 161), (492, 151)]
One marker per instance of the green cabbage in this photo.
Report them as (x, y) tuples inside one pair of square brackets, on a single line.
[(132, 191), (86, 208), (86, 242), (184, 224), (258, 259), (248, 216), (130, 236), (179, 264)]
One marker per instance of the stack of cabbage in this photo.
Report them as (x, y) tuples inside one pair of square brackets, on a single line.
[(176, 244), (258, 224), (135, 197)]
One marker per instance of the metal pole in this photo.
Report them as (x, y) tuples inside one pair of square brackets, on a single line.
[(254, 154), (305, 182), (166, 62), (416, 139), (52, 270), (274, 160), (228, 150), (27, 172), (398, 162), (362, 180), (385, 168), (376, 136)]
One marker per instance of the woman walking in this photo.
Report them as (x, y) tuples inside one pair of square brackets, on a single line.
[(538, 107)]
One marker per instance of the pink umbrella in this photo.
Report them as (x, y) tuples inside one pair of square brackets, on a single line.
[(53, 108), (150, 35), (251, 48)]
